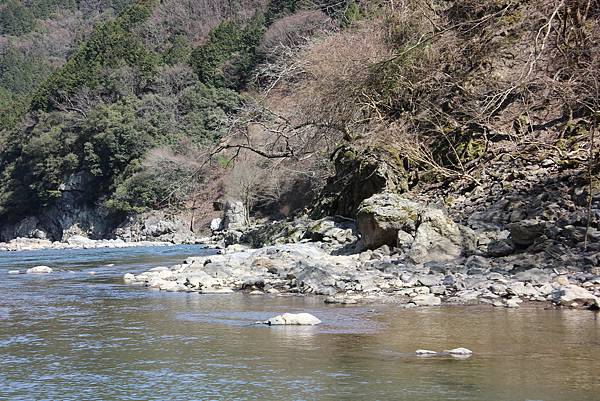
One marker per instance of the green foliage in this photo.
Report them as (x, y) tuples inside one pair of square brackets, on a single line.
[(20, 73), (44, 8), (15, 18), (142, 190), (110, 45), (351, 14), (229, 55), (179, 51)]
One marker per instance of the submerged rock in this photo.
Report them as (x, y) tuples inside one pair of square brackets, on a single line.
[(39, 270), (304, 319), (425, 352), (459, 351)]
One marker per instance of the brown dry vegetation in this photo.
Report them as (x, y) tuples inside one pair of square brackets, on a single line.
[(442, 87)]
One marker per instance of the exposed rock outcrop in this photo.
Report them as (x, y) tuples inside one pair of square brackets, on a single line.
[(358, 176)]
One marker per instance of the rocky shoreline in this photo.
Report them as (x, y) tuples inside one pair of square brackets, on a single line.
[(75, 242), (372, 276)]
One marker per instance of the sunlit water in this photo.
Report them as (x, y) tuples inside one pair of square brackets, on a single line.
[(72, 335)]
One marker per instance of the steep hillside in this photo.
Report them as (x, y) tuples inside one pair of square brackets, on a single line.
[(292, 105)]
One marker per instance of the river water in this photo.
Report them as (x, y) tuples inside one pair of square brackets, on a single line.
[(72, 335)]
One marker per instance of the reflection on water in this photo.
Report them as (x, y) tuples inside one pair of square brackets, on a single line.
[(71, 335)]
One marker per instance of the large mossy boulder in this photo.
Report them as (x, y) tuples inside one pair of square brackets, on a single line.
[(424, 233)]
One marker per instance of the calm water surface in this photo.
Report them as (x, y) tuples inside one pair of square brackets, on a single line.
[(72, 335)]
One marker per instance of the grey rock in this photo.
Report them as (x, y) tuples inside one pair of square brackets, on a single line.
[(502, 247), (525, 232), (234, 215)]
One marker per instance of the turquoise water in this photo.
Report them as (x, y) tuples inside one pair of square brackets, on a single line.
[(72, 335)]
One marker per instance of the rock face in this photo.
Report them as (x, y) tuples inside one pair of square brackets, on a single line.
[(155, 226), (303, 319), (426, 234), (234, 215), (39, 270), (358, 176)]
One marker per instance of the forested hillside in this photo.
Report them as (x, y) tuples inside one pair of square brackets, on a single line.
[(117, 107)]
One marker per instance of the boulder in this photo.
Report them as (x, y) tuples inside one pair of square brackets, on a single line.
[(216, 224), (234, 215), (79, 240), (426, 300), (424, 233), (572, 295), (525, 232), (382, 216), (39, 270), (305, 319)]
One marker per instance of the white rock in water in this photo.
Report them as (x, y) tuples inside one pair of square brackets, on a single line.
[(39, 269), (210, 290), (128, 278), (13, 272), (425, 352), (305, 319), (459, 351)]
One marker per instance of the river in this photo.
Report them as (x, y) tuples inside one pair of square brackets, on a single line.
[(73, 335)]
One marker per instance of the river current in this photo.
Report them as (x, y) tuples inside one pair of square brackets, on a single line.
[(80, 333)]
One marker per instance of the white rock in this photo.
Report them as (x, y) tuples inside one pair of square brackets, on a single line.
[(513, 302), (425, 352), (459, 351), (569, 294), (128, 278), (210, 290), (426, 300), (14, 272), (39, 270), (215, 224), (305, 319)]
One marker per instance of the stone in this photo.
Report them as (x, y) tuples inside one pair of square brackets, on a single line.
[(14, 272), (431, 280), (381, 216), (501, 247), (425, 352), (304, 319), (424, 233), (513, 302), (426, 300), (39, 270), (216, 224), (234, 215), (459, 351), (525, 232), (79, 240), (437, 238), (522, 289), (129, 278), (569, 294)]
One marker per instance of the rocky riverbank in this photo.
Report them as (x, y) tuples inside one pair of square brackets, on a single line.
[(75, 242), (398, 251), (379, 276)]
